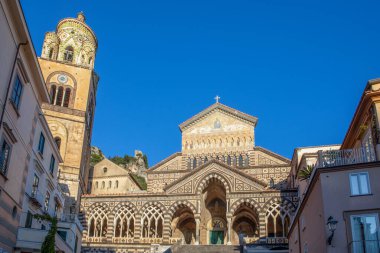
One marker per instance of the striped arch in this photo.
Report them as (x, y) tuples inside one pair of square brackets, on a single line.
[(282, 201), (248, 202), (179, 204), (153, 203), (98, 204), (208, 178), (127, 204)]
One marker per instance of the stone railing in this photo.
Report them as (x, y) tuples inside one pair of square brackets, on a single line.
[(175, 240), (151, 240), (277, 240), (122, 239), (251, 239), (332, 158), (94, 239)]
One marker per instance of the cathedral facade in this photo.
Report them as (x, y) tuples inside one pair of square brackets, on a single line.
[(219, 186)]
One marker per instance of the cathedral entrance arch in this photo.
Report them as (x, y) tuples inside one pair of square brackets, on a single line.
[(245, 221), (183, 225), (217, 229), (213, 212)]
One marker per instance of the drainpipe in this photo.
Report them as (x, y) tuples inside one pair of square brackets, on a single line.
[(10, 81)]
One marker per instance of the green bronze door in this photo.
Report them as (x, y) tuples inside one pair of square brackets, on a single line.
[(216, 237)]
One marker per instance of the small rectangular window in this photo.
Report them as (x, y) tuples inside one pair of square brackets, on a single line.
[(36, 181), (16, 92), (47, 200), (52, 164), (41, 144), (359, 183), (29, 220), (4, 157), (62, 234)]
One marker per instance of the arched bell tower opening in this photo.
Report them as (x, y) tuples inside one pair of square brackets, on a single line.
[(213, 213)]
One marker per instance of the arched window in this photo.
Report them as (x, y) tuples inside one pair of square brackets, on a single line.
[(68, 55), (103, 185), (109, 184), (278, 221), (286, 225), (270, 227), (199, 161), (194, 163), (189, 163), (246, 161), (53, 92), (117, 184), (58, 142), (58, 101), (240, 161), (234, 160), (124, 222), (97, 223), (152, 222), (51, 53), (66, 101), (279, 227), (229, 160)]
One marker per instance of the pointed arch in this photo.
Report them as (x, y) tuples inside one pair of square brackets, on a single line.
[(66, 100), (98, 221), (59, 99), (124, 221), (152, 222)]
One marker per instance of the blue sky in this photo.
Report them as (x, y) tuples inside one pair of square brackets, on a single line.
[(299, 66)]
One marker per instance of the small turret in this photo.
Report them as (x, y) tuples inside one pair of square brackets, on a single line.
[(73, 42)]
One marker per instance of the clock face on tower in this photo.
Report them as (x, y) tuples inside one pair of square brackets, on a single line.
[(62, 78)]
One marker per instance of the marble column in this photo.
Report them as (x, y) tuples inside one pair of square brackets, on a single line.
[(229, 227), (197, 222)]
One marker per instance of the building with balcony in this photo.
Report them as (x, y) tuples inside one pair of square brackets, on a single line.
[(29, 153), (22, 92), (339, 203)]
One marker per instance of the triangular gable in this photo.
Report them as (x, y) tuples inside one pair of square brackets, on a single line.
[(166, 163), (112, 169), (235, 180), (219, 107)]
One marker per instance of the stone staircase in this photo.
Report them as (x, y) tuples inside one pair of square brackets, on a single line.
[(203, 249), (223, 249)]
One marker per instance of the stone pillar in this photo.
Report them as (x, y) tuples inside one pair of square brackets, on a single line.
[(166, 229), (262, 226), (229, 227), (138, 228), (197, 223), (110, 226)]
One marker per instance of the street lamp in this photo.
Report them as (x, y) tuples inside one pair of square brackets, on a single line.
[(331, 224)]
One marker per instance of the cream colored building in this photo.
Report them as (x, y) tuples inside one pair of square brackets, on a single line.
[(29, 155), (22, 92), (220, 185), (108, 178)]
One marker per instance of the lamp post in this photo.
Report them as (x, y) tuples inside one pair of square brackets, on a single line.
[(331, 224)]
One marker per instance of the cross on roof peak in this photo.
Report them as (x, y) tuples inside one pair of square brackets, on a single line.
[(217, 98)]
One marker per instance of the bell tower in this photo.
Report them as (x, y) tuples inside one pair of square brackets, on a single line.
[(67, 62)]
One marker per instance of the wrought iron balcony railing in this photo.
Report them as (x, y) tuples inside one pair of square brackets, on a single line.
[(332, 158)]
